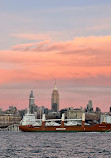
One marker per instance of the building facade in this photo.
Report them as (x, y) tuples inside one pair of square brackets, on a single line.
[(74, 113), (9, 119)]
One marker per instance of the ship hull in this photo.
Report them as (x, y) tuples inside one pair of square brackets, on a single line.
[(95, 128)]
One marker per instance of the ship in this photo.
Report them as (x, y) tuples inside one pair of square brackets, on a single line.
[(30, 124)]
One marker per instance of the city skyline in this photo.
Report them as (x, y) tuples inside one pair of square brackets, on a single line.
[(67, 40), (54, 106)]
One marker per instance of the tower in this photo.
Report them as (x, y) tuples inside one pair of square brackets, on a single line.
[(31, 102), (89, 107), (55, 100)]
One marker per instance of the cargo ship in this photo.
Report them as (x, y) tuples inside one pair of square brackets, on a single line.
[(30, 124)]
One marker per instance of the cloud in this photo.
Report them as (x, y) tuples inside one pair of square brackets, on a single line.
[(90, 51), (78, 43), (30, 46), (82, 58)]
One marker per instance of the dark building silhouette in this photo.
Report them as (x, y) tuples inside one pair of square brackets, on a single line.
[(98, 110), (110, 109)]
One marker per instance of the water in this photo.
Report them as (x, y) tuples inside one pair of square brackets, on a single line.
[(17, 144)]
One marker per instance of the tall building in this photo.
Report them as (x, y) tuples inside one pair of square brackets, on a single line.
[(31, 102), (55, 100), (89, 107)]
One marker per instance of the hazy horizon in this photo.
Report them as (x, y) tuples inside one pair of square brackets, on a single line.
[(41, 40)]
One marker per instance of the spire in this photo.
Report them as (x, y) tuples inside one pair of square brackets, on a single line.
[(55, 88), (31, 94)]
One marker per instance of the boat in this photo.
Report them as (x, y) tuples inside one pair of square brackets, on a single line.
[(30, 124)]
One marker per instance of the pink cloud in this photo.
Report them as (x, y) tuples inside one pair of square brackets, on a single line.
[(77, 44), (81, 58), (30, 46)]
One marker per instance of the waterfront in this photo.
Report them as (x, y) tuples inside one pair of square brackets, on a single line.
[(17, 144)]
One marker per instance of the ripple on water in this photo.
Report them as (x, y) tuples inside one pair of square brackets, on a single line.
[(55, 145)]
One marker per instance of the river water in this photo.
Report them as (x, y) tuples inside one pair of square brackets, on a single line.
[(17, 144)]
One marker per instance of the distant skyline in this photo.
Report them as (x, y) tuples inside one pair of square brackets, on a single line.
[(41, 40)]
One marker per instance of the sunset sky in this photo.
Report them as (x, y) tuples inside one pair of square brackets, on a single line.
[(66, 40)]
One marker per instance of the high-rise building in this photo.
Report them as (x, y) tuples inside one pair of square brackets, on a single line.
[(89, 106), (55, 100), (31, 102)]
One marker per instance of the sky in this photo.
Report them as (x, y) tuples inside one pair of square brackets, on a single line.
[(44, 40)]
